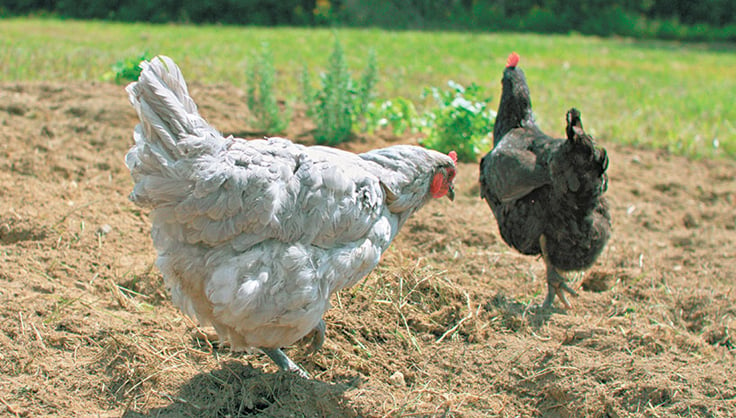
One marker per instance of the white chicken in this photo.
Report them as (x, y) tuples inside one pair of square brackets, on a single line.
[(254, 236)]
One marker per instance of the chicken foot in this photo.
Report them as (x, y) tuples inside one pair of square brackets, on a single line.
[(556, 285), (284, 362)]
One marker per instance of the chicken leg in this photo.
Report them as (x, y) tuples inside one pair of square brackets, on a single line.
[(284, 362), (555, 281), (317, 337)]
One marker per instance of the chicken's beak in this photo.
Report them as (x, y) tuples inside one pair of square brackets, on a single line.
[(451, 192)]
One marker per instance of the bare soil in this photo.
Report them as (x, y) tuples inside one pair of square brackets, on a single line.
[(447, 325)]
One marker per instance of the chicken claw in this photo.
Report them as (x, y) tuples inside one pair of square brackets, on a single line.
[(556, 286)]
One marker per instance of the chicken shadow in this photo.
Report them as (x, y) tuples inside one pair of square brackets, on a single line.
[(516, 315), (239, 390)]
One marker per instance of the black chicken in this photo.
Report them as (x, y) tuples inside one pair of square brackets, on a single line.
[(546, 193)]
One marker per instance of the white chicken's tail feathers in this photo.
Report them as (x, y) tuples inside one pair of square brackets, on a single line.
[(168, 116)]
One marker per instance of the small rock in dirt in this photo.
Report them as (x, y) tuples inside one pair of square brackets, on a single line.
[(104, 230), (397, 379)]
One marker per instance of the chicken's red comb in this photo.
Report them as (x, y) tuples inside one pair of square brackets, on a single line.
[(513, 60), (453, 155)]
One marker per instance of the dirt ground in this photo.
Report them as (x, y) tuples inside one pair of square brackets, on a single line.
[(447, 325)]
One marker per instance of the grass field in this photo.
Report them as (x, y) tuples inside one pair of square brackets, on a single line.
[(669, 95)]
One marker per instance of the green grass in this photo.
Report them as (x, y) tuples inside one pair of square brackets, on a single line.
[(659, 94)]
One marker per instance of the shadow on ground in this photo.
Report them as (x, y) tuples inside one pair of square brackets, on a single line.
[(239, 390)]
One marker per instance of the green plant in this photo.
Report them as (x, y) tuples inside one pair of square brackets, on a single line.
[(461, 121), (340, 103), (333, 110), (398, 113), (307, 91), (367, 84), (126, 70), (261, 97)]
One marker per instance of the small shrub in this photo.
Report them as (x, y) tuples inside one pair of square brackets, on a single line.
[(367, 84), (461, 121), (307, 92), (260, 79), (126, 70), (399, 114), (334, 104), (341, 103)]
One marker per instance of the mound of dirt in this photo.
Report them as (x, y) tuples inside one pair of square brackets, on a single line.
[(447, 325)]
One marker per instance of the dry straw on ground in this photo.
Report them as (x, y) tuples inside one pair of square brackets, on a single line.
[(446, 326)]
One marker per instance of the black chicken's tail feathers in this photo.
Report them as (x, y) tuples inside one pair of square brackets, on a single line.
[(579, 170), (577, 135), (574, 124)]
